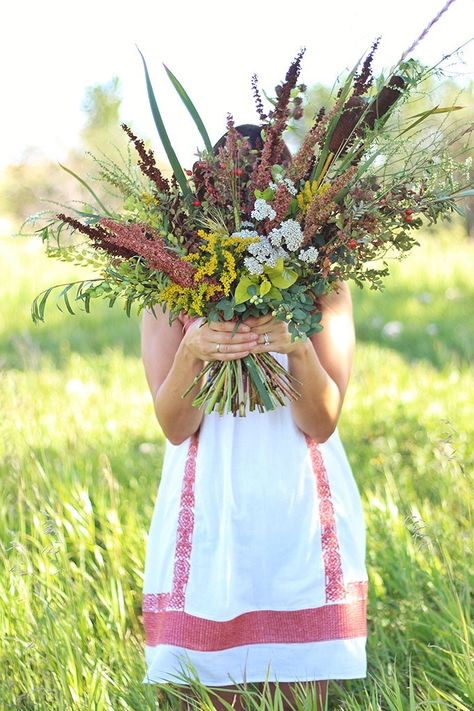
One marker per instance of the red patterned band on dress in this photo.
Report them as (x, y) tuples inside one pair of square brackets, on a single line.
[(184, 535), (335, 589), (334, 621)]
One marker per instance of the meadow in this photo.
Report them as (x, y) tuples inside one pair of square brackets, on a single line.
[(80, 457)]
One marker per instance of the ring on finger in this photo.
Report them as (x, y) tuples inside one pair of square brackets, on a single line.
[(218, 348), (266, 340)]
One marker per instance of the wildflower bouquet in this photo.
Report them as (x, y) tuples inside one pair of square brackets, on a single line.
[(248, 230)]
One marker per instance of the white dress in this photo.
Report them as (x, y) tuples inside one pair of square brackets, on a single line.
[(255, 561)]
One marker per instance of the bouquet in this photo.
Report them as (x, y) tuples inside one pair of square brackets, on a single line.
[(251, 230)]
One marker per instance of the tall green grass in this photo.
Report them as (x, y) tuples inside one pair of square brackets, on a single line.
[(80, 465)]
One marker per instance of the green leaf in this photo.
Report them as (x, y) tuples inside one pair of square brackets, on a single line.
[(266, 194), (262, 391), (128, 305), (425, 114), (64, 297), (241, 293), (438, 110), (283, 279), (37, 307), (275, 294), (277, 170), (265, 287), (191, 108), (277, 269), (463, 194), (172, 157)]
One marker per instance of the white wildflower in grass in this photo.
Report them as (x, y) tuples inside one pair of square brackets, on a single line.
[(309, 255), (431, 329), (246, 223), (392, 329), (292, 234), (253, 265), (262, 210)]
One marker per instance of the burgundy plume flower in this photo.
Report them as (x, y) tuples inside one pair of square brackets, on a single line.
[(280, 204), (97, 235), (147, 162), (145, 242), (274, 145), (303, 161), (363, 80), (258, 100)]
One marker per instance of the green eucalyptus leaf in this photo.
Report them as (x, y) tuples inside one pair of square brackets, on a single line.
[(275, 294)]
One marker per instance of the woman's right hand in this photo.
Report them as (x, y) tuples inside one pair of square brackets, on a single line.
[(202, 339)]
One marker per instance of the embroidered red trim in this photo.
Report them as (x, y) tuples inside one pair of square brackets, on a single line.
[(335, 589), (334, 621), (184, 534)]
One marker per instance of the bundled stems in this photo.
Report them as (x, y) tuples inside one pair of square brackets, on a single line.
[(257, 380)]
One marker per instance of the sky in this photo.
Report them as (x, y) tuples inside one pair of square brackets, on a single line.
[(51, 51)]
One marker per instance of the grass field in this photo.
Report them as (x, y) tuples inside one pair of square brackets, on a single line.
[(80, 464)]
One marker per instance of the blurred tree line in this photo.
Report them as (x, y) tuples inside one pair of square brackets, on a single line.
[(26, 187)]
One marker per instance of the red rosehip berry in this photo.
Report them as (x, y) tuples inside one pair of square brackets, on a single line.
[(238, 171), (196, 203), (188, 172), (352, 244)]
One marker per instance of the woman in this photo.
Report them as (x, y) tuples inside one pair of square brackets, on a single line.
[(255, 566)]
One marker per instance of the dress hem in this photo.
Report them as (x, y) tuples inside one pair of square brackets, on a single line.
[(341, 676)]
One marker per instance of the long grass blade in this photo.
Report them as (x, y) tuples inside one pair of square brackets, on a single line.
[(88, 188), (172, 157), (191, 108)]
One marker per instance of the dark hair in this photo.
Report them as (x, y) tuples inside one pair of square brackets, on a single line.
[(253, 133)]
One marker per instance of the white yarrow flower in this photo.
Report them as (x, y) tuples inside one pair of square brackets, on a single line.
[(275, 237), (245, 233), (262, 210), (253, 265), (292, 234), (309, 255)]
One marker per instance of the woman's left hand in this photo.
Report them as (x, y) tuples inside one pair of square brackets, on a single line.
[(279, 337)]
